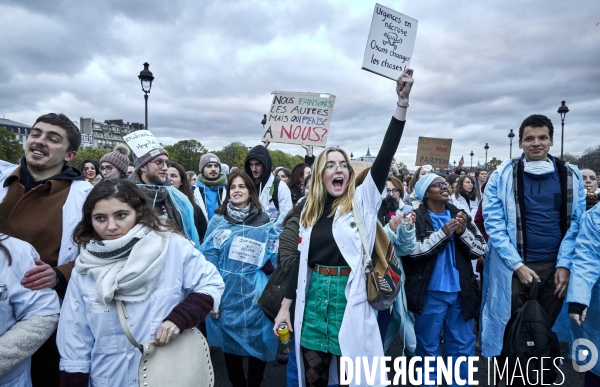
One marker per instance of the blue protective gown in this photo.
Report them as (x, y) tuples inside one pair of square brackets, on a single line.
[(239, 252), (500, 216), (584, 284)]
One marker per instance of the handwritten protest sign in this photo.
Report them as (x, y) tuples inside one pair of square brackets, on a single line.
[(247, 250), (299, 118), (434, 151), (141, 141), (359, 166), (391, 42)]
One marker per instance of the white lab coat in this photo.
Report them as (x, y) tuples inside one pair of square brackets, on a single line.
[(90, 338), (359, 332), (71, 211), (21, 303), (284, 197), (461, 203)]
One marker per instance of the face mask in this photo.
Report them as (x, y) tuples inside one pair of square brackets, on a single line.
[(538, 167)]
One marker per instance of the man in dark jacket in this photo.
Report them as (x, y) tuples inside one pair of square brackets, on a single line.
[(441, 289), (274, 194)]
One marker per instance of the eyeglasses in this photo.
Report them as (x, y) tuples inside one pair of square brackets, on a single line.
[(331, 166), (107, 169), (162, 163), (439, 184), (392, 191)]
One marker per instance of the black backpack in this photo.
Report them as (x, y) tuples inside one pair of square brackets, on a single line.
[(528, 334)]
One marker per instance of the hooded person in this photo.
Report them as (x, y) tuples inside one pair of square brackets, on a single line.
[(150, 175), (211, 185), (274, 194)]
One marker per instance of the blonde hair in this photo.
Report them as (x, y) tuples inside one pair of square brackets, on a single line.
[(315, 203)]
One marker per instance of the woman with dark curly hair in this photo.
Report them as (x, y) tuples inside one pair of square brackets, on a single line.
[(296, 183), (91, 171)]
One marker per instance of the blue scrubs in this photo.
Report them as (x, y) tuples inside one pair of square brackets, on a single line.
[(442, 310)]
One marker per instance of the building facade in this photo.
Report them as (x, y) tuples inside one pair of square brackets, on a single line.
[(20, 130), (107, 134)]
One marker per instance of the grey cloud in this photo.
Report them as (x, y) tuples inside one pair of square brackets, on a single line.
[(480, 68)]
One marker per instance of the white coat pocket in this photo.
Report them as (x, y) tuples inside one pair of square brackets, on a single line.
[(162, 303), (103, 321)]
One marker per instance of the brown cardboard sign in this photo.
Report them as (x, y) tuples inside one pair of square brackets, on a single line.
[(434, 151)]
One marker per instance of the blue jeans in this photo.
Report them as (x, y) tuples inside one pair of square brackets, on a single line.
[(292, 366), (443, 310)]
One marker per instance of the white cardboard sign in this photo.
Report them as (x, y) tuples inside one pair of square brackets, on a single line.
[(299, 118), (390, 44), (247, 250), (141, 141)]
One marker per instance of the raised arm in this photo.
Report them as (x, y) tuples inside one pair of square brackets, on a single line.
[(381, 166)]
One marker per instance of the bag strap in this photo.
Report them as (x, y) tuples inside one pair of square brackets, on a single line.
[(122, 312), (367, 262)]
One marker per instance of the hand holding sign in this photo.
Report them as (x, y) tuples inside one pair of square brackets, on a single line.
[(404, 86)]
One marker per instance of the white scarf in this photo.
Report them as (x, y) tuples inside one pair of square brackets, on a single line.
[(129, 268), (538, 167)]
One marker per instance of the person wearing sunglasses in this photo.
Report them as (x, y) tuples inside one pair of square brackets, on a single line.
[(441, 289)]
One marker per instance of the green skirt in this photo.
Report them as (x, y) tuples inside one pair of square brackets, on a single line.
[(323, 313)]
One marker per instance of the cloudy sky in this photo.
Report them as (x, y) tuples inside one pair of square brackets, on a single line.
[(480, 68)]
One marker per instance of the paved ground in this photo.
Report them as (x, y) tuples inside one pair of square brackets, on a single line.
[(275, 373)]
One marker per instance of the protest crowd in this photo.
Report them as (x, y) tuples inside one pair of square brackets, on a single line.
[(133, 248)]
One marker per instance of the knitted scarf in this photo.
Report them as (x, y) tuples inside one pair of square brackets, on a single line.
[(117, 276), (159, 195), (221, 180), (236, 213)]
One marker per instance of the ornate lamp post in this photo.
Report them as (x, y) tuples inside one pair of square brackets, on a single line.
[(486, 147), (472, 154), (562, 110), (511, 135), (146, 79)]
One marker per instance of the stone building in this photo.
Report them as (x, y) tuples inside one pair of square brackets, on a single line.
[(107, 134), (20, 130)]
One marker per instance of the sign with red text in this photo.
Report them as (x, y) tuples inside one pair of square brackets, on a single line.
[(390, 44), (299, 118), (434, 151)]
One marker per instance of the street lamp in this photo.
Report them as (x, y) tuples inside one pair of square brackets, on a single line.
[(264, 120), (486, 147), (511, 135), (562, 110), (146, 79), (351, 156), (472, 154), (454, 164)]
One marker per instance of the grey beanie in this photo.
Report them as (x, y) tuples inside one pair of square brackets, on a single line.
[(209, 158), (119, 158), (147, 157)]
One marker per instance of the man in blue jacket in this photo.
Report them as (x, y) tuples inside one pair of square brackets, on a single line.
[(211, 185), (529, 205)]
